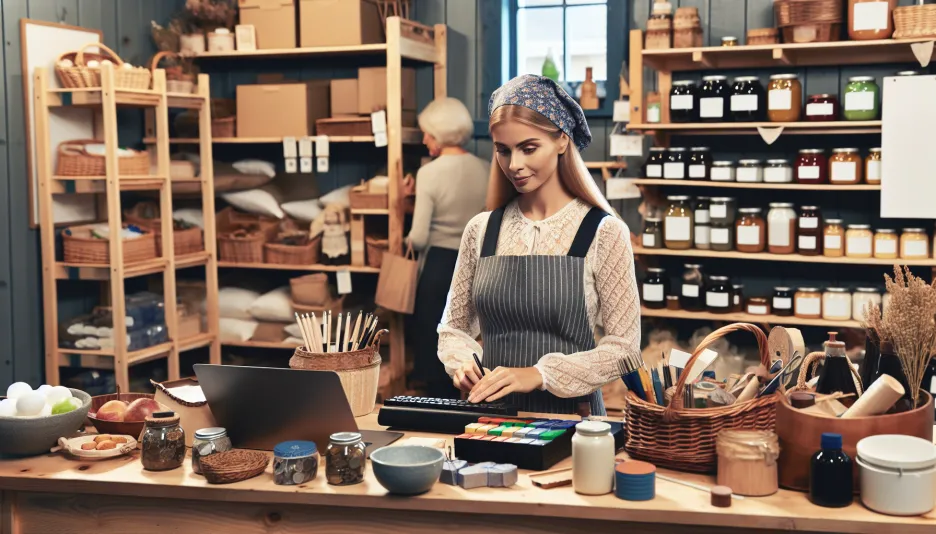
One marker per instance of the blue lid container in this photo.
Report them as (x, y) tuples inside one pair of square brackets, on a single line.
[(295, 449), (635, 481)]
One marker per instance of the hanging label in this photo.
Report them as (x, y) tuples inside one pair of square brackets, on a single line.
[(321, 146), (681, 102), (321, 164), (380, 139), (379, 121), (621, 188), (780, 100), (653, 292), (305, 147), (344, 282), (289, 147), (292, 165), (621, 111), (712, 108), (305, 165)]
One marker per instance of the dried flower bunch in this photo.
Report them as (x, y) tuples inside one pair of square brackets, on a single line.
[(212, 14), (909, 324)]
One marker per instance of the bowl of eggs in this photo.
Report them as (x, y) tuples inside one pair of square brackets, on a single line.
[(32, 421)]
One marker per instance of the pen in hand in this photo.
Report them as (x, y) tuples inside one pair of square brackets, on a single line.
[(478, 362)]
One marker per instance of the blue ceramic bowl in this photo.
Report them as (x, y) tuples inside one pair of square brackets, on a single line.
[(21, 436), (407, 469)]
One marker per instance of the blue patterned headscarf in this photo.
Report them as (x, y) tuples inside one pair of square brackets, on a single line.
[(547, 98)]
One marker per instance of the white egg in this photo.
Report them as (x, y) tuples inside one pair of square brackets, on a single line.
[(44, 389), (8, 408), (45, 411), (31, 403), (57, 394), (17, 390)]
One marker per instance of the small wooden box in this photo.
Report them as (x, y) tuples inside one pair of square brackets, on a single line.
[(344, 126), (362, 199)]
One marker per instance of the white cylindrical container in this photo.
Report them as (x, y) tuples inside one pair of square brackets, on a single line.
[(592, 458), (897, 474)]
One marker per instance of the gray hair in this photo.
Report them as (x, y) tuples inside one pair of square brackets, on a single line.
[(448, 121)]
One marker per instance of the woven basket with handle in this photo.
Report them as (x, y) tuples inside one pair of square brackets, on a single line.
[(914, 22), (81, 75), (79, 246), (177, 80), (684, 438), (74, 160), (184, 241)]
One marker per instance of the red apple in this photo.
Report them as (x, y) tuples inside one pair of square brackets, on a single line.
[(141, 408), (114, 410)]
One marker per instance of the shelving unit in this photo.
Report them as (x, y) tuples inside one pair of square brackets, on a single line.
[(102, 103), (662, 182), (746, 318), (410, 136), (765, 256)]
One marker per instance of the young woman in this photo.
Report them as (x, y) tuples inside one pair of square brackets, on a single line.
[(544, 274)]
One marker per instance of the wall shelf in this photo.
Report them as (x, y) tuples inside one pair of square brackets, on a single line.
[(768, 186), (745, 318), (751, 128), (410, 136), (313, 268), (764, 256)]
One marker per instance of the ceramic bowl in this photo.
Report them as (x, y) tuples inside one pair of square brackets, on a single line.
[(129, 428), (22, 436), (407, 469)]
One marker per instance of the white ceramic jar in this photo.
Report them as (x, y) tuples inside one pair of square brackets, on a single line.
[(592, 458), (860, 300), (836, 304), (897, 474)]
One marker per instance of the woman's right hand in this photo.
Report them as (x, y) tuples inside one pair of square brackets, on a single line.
[(467, 376)]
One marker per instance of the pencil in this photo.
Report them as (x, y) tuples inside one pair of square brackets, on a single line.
[(305, 336), (347, 333), (354, 335)]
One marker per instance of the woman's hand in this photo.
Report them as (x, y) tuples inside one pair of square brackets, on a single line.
[(466, 377), (505, 380)]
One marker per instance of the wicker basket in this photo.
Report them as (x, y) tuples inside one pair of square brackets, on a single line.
[(763, 36), (809, 21), (241, 247), (659, 34), (184, 241), (80, 247), (292, 255), (177, 81), (74, 160), (362, 199), (914, 22), (82, 76), (223, 128), (310, 290), (684, 438), (233, 466), (376, 247)]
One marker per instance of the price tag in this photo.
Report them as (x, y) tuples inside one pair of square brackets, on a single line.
[(379, 121), (344, 282), (305, 165), (321, 164), (321, 146), (292, 165), (621, 111), (289, 147), (305, 147), (621, 188), (380, 139), (626, 145)]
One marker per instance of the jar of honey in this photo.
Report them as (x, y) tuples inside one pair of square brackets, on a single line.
[(784, 98), (807, 303), (677, 223), (885, 244), (859, 241), (914, 244), (873, 167), (845, 166), (751, 231), (833, 240)]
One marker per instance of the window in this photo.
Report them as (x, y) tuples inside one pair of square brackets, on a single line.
[(572, 32)]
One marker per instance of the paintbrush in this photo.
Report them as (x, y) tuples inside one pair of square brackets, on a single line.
[(364, 331)]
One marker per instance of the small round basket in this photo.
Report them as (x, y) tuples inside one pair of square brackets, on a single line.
[(233, 466)]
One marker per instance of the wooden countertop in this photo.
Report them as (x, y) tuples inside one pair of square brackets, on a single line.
[(674, 504)]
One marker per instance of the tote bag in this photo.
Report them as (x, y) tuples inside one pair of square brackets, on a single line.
[(396, 287)]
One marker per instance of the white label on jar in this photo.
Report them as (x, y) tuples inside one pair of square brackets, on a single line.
[(653, 292), (833, 242), (690, 290), (721, 174), (870, 16), (749, 174), (780, 99), (820, 109), (702, 235), (807, 242), (782, 303), (721, 236), (712, 108), (874, 171), (808, 172), (933, 385), (885, 246), (737, 299), (915, 249), (655, 171), (757, 310), (858, 245), (837, 307), (716, 300), (681, 102), (743, 102), (863, 101), (778, 234), (749, 235), (674, 170), (844, 171), (808, 306), (649, 240), (778, 175), (653, 114), (678, 229), (718, 211), (697, 171), (702, 216), (809, 222)]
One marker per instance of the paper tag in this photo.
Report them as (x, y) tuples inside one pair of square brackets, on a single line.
[(808, 306), (305, 165), (781, 303), (769, 135), (807, 242), (621, 188), (780, 100), (621, 111), (305, 147), (712, 108), (819, 109), (380, 139), (721, 174), (289, 147), (874, 171), (655, 171), (653, 114), (674, 171), (833, 242), (844, 171), (720, 236), (809, 222), (292, 165), (653, 292), (681, 102), (858, 245), (690, 290), (379, 121), (748, 174), (716, 300), (321, 164), (626, 145), (778, 234), (810, 172), (648, 240), (863, 101), (885, 246), (344, 282), (718, 211), (777, 175), (923, 52), (757, 310), (702, 235), (870, 16), (915, 249), (697, 171), (749, 235), (321, 146), (702, 216), (743, 102), (677, 228)]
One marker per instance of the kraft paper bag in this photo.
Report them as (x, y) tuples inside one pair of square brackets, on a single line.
[(396, 287)]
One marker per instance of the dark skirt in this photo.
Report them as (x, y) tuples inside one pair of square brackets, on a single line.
[(431, 295)]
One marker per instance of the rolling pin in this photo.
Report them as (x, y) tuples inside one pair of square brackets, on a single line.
[(882, 394)]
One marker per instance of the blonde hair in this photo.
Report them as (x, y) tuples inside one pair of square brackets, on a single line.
[(448, 121), (573, 173)]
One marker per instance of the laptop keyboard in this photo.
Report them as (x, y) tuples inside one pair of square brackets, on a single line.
[(457, 405)]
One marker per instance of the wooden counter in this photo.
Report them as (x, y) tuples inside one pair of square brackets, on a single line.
[(51, 493)]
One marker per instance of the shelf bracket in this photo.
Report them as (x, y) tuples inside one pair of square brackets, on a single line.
[(700, 57), (780, 55)]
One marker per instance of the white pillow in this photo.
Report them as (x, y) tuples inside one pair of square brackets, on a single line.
[(236, 329), (293, 341), (303, 210), (340, 196), (255, 166), (256, 201), (190, 215), (274, 307), (292, 329), (235, 302)]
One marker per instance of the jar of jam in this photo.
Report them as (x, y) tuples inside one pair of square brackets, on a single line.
[(722, 171), (873, 167), (737, 298), (700, 161), (870, 19), (748, 99), (714, 99), (859, 241), (751, 230), (652, 236), (807, 303), (702, 214), (809, 231), (811, 166), (885, 244), (718, 294), (836, 304), (653, 168), (845, 166), (749, 171), (862, 99), (693, 288), (782, 302), (781, 228), (784, 98), (721, 237), (914, 244), (822, 108), (654, 289), (758, 306), (778, 171), (674, 166), (677, 223), (684, 101), (722, 210), (833, 239)]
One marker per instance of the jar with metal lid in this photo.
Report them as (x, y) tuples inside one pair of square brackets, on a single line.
[(812, 166), (652, 236), (807, 303), (672, 302), (859, 241), (677, 223), (822, 108), (714, 99), (873, 167), (836, 304), (722, 171), (748, 99), (702, 215), (295, 462), (684, 101), (914, 244), (674, 165), (862, 99), (758, 306), (653, 168), (654, 108), (782, 301), (863, 297), (693, 287), (784, 98), (162, 442), (729, 41), (208, 441), (751, 230), (886, 243), (845, 166), (778, 171), (721, 237), (655, 288), (747, 461), (345, 459), (809, 231), (781, 228), (749, 171), (737, 298), (718, 294), (907, 73), (870, 19), (833, 239), (700, 161), (722, 210), (703, 236)]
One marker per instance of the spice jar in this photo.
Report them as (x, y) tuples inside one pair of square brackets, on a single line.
[(749, 170), (702, 215), (718, 295), (703, 236), (654, 289), (870, 19), (822, 108), (344, 459), (751, 231), (859, 241), (748, 99), (863, 297), (862, 99), (836, 304), (784, 98), (700, 161), (654, 108), (653, 168), (845, 166), (833, 242), (677, 224), (713, 99), (758, 306), (684, 99), (652, 236), (782, 301), (809, 231), (721, 237), (811, 166), (672, 302), (208, 441), (778, 171), (873, 167), (693, 285), (885, 243), (674, 166), (722, 210), (747, 461), (737, 297), (729, 41), (781, 228), (722, 171), (162, 442), (294, 462), (914, 244), (807, 303)]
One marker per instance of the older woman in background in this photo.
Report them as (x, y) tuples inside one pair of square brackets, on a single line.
[(450, 190)]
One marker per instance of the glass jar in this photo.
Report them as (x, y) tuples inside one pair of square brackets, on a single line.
[(811, 166), (784, 98), (845, 166), (748, 99), (885, 243), (758, 306), (652, 236), (721, 237), (208, 441), (809, 231), (862, 99), (859, 241), (700, 161), (781, 228), (722, 171), (703, 236), (914, 244), (672, 302), (870, 19), (162, 442), (862, 297), (718, 295), (677, 223), (702, 215), (822, 108), (778, 171), (747, 460), (655, 288), (653, 168), (751, 230), (836, 304), (782, 301), (807, 303), (693, 287), (654, 108), (713, 99), (737, 298), (729, 41), (873, 167), (833, 239), (674, 166), (684, 101), (749, 171), (722, 210), (345, 460), (907, 73), (295, 462)]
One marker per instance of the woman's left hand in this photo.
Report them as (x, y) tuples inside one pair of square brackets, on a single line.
[(504, 380)]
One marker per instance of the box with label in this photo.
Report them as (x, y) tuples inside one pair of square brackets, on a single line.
[(281, 109), (344, 97), (339, 23), (273, 20), (372, 89)]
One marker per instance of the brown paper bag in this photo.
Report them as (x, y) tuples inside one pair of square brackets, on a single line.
[(396, 287)]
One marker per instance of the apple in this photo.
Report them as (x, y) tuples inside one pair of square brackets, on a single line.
[(140, 409), (63, 407), (114, 410)]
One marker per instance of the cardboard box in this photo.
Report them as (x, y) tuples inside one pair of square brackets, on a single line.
[(344, 97), (283, 109), (339, 23), (372, 89), (273, 20)]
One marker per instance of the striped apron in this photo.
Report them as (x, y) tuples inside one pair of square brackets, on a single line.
[(530, 306)]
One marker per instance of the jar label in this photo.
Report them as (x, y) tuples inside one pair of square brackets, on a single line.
[(778, 175), (749, 235), (808, 306), (649, 240), (874, 171), (749, 174), (885, 246), (653, 114), (780, 100), (833, 242), (844, 171), (782, 303), (721, 174), (808, 172), (809, 222), (743, 102), (837, 307), (678, 229), (858, 245), (915, 249), (736, 299), (716, 300), (655, 171), (933, 385), (702, 236), (870, 16), (675, 171), (690, 290), (807, 242), (756, 309), (721, 236), (863, 101), (778, 234), (697, 171), (702, 216), (718, 211), (820, 109), (712, 108), (681, 102), (653, 292)]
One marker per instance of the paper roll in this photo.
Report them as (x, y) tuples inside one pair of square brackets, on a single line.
[(750, 390), (882, 394)]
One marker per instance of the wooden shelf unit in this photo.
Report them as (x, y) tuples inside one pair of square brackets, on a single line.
[(752, 128), (745, 318), (766, 256), (411, 136), (663, 182)]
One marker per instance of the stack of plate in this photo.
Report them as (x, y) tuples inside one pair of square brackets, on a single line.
[(635, 481)]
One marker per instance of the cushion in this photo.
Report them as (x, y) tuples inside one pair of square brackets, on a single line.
[(235, 302), (274, 306), (256, 201), (303, 210), (236, 329), (190, 215), (255, 166), (340, 196)]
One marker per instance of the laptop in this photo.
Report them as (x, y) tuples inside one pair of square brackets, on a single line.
[(263, 406)]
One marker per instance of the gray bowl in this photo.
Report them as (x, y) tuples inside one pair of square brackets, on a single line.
[(36, 435), (407, 469)]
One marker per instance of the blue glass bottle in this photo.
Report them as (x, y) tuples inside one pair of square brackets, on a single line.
[(830, 474)]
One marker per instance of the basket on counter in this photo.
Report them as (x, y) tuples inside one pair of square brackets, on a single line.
[(74, 159), (233, 466), (809, 21), (79, 75), (684, 438), (80, 246), (281, 254), (915, 22), (376, 246)]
